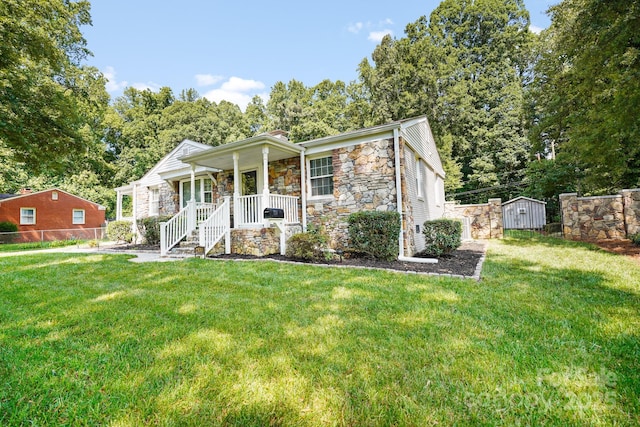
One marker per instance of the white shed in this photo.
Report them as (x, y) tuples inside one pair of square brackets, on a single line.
[(524, 213)]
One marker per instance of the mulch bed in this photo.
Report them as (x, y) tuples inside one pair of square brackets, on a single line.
[(620, 247), (462, 262)]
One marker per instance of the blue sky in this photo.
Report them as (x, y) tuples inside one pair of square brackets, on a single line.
[(234, 50)]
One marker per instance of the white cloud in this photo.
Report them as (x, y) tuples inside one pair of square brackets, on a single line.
[(355, 28), (377, 36), (238, 91), (535, 29), (113, 85), (387, 21), (152, 86), (207, 79)]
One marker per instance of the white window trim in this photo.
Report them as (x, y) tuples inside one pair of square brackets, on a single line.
[(28, 223), (73, 217), (154, 201), (310, 195), (200, 179), (419, 179)]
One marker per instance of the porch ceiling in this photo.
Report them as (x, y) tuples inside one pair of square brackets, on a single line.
[(249, 152)]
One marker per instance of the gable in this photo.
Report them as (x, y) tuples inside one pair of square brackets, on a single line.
[(172, 162)]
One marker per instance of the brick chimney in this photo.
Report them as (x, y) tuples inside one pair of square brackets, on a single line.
[(25, 191)]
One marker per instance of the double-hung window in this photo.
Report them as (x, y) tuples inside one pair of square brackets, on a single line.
[(27, 216), (78, 216), (321, 176)]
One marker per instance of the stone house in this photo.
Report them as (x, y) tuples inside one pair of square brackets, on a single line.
[(219, 194)]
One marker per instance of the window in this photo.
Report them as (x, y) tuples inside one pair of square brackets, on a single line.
[(321, 176), (78, 216), (419, 179), (204, 191), (27, 216), (54, 195), (154, 201)]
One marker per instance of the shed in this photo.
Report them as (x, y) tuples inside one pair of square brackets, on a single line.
[(524, 213)]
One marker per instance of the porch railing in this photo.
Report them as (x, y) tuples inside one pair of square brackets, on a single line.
[(216, 227), (250, 209), (174, 230), (204, 211), (287, 203)]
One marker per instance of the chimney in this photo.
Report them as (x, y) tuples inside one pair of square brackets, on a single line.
[(26, 190)]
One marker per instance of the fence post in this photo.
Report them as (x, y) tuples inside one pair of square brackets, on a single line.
[(163, 238)]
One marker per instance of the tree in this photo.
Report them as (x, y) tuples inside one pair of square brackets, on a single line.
[(586, 91), (42, 96)]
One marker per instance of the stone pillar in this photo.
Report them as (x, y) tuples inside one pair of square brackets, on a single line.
[(495, 218), (631, 203), (570, 216)]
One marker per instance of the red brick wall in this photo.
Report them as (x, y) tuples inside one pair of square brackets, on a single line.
[(52, 214)]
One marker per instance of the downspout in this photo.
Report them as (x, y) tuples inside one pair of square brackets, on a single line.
[(396, 149), (303, 189)]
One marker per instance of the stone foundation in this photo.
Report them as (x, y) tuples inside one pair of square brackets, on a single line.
[(602, 217)]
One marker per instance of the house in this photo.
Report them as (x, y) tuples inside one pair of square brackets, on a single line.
[(52, 214), (219, 194), (524, 213)]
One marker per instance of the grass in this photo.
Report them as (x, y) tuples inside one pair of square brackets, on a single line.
[(30, 246), (550, 336)]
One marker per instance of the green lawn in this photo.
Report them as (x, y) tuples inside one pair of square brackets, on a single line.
[(550, 336)]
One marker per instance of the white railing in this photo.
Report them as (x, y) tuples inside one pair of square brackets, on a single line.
[(287, 203), (249, 210), (174, 230), (204, 211), (216, 227)]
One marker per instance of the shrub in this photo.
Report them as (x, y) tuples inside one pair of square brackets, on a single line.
[(442, 236), (120, 231), (375, 234), (635, 239), (7, 227), (308, 246), (150, 228)]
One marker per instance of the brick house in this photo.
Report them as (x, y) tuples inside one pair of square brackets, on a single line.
[(219, 193), (51, 215)]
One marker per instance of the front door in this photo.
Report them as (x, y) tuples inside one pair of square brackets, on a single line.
[(249, 182)]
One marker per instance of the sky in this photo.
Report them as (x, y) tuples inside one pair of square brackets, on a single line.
[(234, 50)]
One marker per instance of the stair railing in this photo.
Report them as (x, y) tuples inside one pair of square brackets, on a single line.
[(217, 226), (176, 229)]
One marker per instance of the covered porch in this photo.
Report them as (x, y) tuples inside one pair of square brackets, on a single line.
[(254, 174)]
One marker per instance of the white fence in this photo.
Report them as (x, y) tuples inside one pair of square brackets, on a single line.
[(53, 235)]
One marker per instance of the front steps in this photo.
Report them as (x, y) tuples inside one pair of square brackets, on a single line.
[(187, 247)]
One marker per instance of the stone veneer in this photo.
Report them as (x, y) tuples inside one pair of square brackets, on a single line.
[(486, 218), (364, 179), (600, 217)]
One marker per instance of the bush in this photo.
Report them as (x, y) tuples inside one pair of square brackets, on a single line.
[(150, 228), (635, 239), (375, 234), (442, 236), (308, 246), (120, 231), (7, 227)]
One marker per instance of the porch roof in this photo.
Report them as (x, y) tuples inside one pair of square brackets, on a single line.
[(221, 157)]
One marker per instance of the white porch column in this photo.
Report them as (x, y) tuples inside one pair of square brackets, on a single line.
[(236, 189), (303, 189), (265, 183), (134, 212), (192, 202), (118, 205)]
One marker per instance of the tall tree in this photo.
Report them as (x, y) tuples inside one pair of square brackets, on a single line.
[(42, 99), (587, 91)]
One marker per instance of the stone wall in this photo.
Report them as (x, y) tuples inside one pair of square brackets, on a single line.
[(256, 242), (485, 218), (600, 217), (364, 180)]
